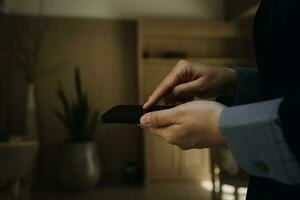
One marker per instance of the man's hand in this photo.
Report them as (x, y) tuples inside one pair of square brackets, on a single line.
[(187, 80), (191, 125)]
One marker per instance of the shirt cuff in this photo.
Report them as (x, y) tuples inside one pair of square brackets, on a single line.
[(253, 134), (248, 86)]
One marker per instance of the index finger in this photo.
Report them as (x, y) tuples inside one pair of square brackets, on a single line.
[(168, 83)]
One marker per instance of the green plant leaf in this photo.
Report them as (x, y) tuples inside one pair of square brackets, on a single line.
[(66, 107), (64, 102), (93, 122), (78, 83), (77, 121), (78, 117), (62, 118)]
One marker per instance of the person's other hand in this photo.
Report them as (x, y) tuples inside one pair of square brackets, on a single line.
[(188, 80), (190, 125)]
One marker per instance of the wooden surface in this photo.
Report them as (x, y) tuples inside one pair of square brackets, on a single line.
[(165, 161), (190, 28), (158, 191), (214, 43)]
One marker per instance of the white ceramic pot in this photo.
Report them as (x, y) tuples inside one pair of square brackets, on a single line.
[(80, 166)]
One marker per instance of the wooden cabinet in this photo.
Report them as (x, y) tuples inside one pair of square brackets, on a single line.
[(168, 162), (165, 161), (162, 158), (213, 43)]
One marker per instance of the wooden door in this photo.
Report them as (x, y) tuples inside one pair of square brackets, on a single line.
[(161, 158), (195, 164)]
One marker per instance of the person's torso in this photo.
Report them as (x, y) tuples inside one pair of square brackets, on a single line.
[(276, 39)]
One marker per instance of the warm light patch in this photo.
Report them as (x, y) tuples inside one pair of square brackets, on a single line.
[(207, 185), (228, 190)]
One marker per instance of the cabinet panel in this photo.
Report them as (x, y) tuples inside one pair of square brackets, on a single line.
[(207, 42), (195, 161), (152, 75), (165, 161), (162, 158), (198, 47)]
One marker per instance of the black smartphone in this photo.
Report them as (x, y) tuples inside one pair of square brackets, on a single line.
[(128, 114)]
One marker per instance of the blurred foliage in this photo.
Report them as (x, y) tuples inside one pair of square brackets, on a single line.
[(77, 117)]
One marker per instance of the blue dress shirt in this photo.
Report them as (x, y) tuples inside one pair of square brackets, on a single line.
[(253, 133)]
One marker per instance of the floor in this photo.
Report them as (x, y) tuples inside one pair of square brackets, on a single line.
[(158, 191), (161, 191)]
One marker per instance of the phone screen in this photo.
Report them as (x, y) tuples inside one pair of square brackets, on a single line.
[(128, 114)]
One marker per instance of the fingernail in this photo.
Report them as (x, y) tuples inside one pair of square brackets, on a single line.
[(145, 120), (147, 101), (145, 105)]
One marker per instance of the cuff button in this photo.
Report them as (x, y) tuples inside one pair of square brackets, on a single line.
[(263, 167)]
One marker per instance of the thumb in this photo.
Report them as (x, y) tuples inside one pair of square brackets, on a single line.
[(158, 118)]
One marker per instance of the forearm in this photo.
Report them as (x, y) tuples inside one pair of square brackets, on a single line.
[(247, 86), (253, 133), (244, 87)]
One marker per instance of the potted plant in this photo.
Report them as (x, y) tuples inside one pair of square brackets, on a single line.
[(80, 167)]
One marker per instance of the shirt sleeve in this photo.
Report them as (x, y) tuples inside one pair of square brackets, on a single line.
[(248, 85), (254, 134)]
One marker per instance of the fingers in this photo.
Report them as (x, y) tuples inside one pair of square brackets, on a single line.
[(158, 119), (160, 132), (184, 92), (166, 133), (188, 90), (170, 99), (164, 87), (170, 81)]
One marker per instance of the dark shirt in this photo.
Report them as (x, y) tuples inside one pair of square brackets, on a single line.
[(276, 41)]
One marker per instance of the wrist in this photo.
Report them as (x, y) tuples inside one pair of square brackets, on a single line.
[(218, 138), (231, 82)]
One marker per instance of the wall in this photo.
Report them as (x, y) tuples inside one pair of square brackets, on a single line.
[(123, 9), (13, 86), (2, 6)]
